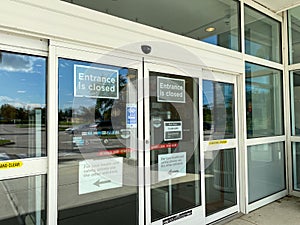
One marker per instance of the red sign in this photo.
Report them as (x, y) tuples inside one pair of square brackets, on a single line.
[(125, 150)]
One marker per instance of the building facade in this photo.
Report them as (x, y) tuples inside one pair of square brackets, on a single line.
[(134, 112)]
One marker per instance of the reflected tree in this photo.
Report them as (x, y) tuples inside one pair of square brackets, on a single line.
[(8, 112)]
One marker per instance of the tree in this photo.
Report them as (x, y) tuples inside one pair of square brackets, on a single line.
[(8, 112)]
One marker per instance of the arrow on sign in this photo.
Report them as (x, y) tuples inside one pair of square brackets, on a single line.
[(98, 182)]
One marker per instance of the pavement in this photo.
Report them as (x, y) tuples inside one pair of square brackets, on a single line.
[(285, 211)]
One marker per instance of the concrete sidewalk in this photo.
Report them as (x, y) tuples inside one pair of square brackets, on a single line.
[(285, 211)]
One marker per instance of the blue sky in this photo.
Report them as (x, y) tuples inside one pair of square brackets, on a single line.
[(23, 80)]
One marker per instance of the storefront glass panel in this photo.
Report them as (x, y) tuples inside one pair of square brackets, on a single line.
[(296, 166), (22, 106), (218, 110), (215, 22), (295, 102), (294, 35), (262, 35), (23, 201), (266, 170), (220, 180), (174, 152), (97, 171), (263, 101)]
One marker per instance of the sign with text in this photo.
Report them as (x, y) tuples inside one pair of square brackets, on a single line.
[(170, 90), (177, 217), (171, 165), (95, 82), (218, 142), (10, 165), (101, 174), (131, 115), (172, 130)]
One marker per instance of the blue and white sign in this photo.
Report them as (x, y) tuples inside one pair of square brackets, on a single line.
[(78, 141), (131, 115), (96, 82)]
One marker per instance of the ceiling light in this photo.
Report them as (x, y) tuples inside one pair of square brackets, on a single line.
[(210, 29)]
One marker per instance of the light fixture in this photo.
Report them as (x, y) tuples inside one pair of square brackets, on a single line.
[(210, 29)]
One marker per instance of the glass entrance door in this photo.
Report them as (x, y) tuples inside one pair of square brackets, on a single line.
[(173, 191), (220, 144), (98, 141), (23, 162)]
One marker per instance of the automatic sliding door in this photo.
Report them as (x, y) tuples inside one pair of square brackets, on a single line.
[(174, 155), (220, 145), (97, 144)]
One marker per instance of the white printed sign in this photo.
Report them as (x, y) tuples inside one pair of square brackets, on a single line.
[(172, 130), (101, 174), (171, 165)]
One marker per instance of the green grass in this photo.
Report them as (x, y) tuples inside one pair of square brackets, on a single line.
[(4, 142), (27, 125)]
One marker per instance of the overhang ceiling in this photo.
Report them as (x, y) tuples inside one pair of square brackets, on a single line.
[(278, 5)]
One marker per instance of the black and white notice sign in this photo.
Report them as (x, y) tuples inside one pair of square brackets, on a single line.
[(101, 174), (171, 165), (170, 90), (172, 130)]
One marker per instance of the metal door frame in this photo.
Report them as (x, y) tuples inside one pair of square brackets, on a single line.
[(230, 143), (197, 213)]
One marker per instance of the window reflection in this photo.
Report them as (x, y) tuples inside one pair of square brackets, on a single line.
[(218, 110), (22, 106), (266, 170), (220, 180), (296, 166), (295, 102), (23, 201), (262, 35), (174, 156), (263, 101), (97, 144), (294, 35), (215, 22)]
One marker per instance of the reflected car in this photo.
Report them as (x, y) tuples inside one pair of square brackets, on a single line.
[(81, 128), (100, 133)]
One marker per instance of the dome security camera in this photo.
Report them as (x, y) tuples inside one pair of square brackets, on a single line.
[(146, 49)]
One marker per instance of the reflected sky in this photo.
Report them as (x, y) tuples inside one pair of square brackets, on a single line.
[(224, 91), (23, 80), (260, 79)]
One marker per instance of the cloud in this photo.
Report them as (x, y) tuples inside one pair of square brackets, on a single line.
[(18, 104), (5, 99), (17, 63)]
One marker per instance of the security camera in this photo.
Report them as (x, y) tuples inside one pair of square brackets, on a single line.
[(146, 49)]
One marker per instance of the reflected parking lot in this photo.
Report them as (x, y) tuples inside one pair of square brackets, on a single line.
[(21, 141)]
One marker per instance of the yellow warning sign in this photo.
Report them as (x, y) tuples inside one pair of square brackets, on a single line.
[(10, 165), (221, 142)]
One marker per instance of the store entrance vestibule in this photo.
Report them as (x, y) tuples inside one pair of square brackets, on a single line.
[(159, 147)]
